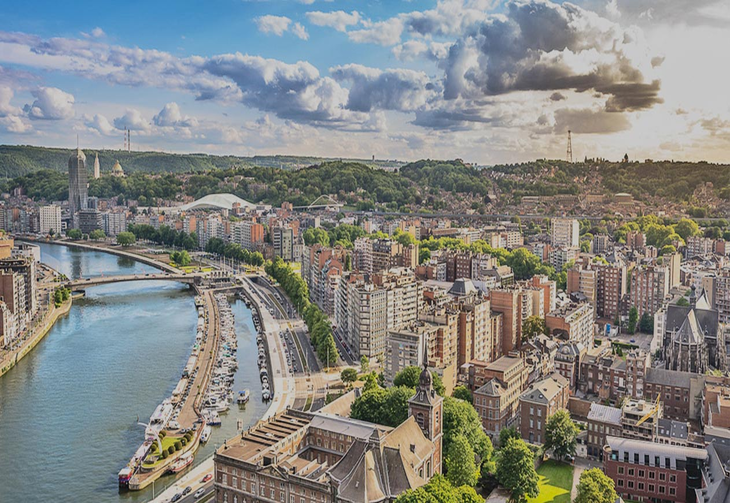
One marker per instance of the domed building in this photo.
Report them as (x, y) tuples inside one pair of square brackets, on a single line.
[(117, 169)]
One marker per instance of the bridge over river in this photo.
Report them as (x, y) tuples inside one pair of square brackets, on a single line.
[(80, 284)]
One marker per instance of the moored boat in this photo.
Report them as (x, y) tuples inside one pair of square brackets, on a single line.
[(182, 462)]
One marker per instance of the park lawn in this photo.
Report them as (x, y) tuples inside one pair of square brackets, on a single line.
[(167, 441), (556, 480)]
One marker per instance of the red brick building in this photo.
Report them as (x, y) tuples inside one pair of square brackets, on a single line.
[(650, 472)]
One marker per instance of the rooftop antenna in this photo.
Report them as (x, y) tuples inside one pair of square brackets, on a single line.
[(569, 155)]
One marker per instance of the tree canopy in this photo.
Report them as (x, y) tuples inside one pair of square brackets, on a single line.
[(595, 487), (560, 434), (516, 470)]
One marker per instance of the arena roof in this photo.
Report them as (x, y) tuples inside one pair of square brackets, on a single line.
[(221, 201)]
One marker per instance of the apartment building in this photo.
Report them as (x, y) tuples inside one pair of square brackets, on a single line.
[(549, 289), (560, 256), (496, 401), (410, 346), (248, 234), (367, 308), (537, 403), (565, 232), (283, 240), (476, 340), (610, 289), (583, 279), (602, 421), (443, 355), (49, 219), (649, 288), (114, 222), (508, 301), (698, 246), (574, 321)]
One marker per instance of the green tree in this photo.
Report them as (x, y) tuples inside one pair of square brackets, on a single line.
[(410, 376), (126, 238), (506, 433), (516, 470), (388, 407), (460, 418), (668, 250), (533, 326), (74, 234), (462, 393), (646, 324), (348, 375), (687, 228), (595, 487), (97, 234), (461, 469), (424, 255), (560, 434), (364, 363), (371, 382), (181, 258), (633, 319)]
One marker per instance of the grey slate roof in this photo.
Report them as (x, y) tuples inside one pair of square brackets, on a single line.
[(605, 414), (667, 377), (706, 318), (690, 331)]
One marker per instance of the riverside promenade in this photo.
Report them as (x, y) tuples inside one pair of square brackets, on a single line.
[(8, 359)]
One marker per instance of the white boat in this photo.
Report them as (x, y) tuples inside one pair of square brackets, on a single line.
[(206, 434), (243, 396), (212, 417), (266, 395)]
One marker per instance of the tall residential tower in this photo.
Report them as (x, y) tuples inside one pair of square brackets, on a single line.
[(78, 191)]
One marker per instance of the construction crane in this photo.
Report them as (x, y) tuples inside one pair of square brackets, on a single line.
[(653, 411)]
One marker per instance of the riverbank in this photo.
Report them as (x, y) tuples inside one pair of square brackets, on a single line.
[(104, 247), (11, 360)]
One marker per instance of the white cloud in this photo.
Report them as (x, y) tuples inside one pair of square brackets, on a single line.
[(170, 116), (339, 20), (50, 103), (97, 32), (6, 94), (386, 33), (14, 124), (132, 120), (276, 25), (99, 123), (300, 31)]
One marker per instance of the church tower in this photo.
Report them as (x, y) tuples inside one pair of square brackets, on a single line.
[(427, 408), (97, 168)]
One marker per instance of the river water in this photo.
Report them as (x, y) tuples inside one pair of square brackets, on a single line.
[(68, 410)]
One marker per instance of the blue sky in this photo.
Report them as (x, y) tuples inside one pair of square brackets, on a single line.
[(485, 80)]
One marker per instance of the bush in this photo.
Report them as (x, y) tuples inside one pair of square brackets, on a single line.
[(184, 441), (171, 449), (164, 454), (178, 445)]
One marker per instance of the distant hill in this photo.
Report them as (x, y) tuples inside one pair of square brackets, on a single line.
[(17, 160)]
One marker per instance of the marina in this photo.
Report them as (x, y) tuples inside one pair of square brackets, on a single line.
[(129, 368)]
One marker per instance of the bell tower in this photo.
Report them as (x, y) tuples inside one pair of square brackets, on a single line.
[(427, 407)]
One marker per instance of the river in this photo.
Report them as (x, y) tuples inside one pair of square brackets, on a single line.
[(68, 410)]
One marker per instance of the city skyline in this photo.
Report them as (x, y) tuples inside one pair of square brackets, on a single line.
[(486, 81)]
